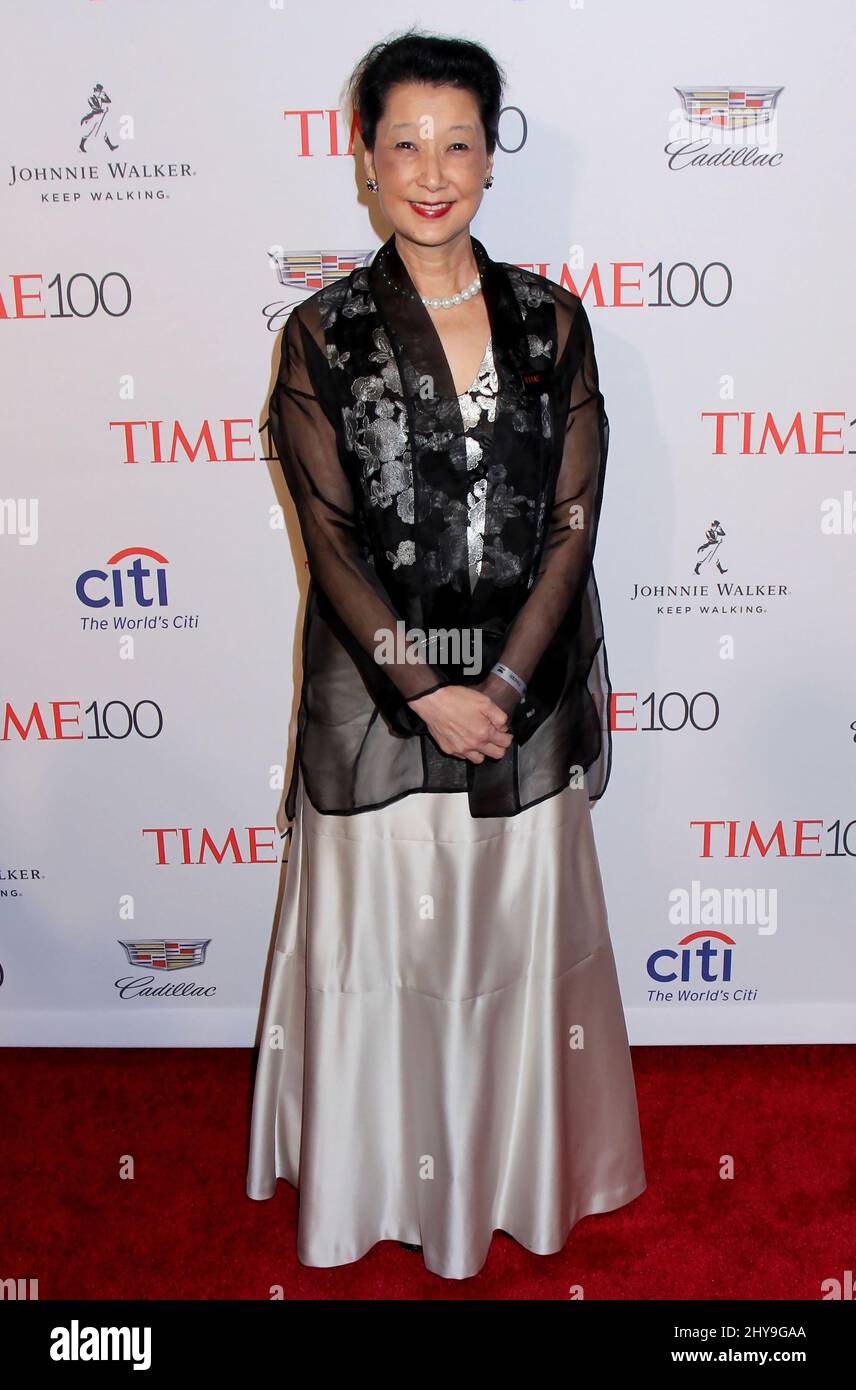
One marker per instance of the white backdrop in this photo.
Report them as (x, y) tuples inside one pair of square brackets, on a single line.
[(147, 723)]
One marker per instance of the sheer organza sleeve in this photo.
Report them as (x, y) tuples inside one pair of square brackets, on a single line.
[(568, 552), (301, 414)]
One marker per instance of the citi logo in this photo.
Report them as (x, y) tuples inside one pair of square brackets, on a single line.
[(76, 1343), (704, 956), (139, 583)]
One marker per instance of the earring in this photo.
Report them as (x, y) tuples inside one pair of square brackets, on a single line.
[(488, 182), (371, 184)]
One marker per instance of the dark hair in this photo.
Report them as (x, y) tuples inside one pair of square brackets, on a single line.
[(414, 56)]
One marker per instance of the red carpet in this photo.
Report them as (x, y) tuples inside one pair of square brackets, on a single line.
[(183, 1228)]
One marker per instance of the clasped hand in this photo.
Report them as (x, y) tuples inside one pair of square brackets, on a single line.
[(465, 722)]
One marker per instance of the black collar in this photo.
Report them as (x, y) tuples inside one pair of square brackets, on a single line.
[(401, 306)]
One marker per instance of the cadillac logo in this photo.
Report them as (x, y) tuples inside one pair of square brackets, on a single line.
[(729, 108), (312, 270), (166, 955)]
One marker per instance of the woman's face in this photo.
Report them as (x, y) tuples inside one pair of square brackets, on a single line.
[(429, 149)]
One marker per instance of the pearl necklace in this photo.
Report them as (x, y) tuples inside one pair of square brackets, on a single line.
[(442, 303), (453, 299)]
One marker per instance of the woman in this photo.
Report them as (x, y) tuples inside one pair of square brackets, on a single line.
[(444, 1052)]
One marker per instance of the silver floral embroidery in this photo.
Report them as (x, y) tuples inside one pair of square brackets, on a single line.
[(478, 401), (358, 304), (529, 289), (379, 438), (376, 430), (480, 398), (330, 301), (383, 353), (506, 565), (339, 298), (546, 421), (537, 346), (404, 554), (477, 510), (335, 358)]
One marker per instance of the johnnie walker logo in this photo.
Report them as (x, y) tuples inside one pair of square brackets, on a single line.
[(101, 134), (708, 592)]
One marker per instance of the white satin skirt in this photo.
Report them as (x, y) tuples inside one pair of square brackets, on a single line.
[(443, 1050)]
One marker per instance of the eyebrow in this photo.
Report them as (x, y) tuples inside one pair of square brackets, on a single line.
[(406, 125)]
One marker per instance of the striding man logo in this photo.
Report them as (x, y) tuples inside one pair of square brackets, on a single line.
[(94, 120), (709, 549)]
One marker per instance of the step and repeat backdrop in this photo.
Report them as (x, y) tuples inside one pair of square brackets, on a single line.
[(178, 174)]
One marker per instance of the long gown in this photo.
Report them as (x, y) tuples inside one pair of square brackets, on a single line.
[(443, 1047)]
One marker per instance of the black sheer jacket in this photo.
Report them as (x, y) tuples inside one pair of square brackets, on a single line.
[(388, 478)]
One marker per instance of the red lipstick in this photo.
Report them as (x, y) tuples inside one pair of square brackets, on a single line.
[(431, 210)]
